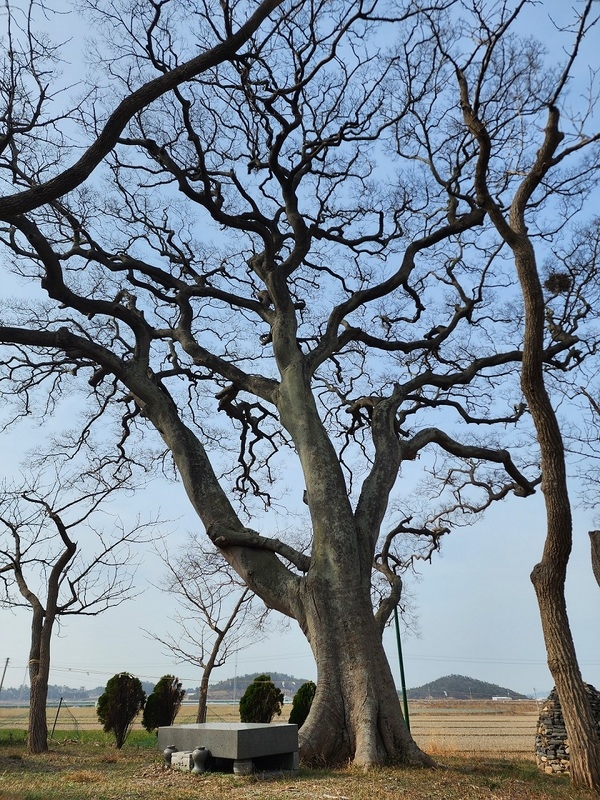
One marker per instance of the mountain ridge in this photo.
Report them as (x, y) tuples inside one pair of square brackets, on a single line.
[(457, 687), (461, 687)]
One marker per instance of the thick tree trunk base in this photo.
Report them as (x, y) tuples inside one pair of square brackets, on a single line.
[(377, 737), (356, 715)]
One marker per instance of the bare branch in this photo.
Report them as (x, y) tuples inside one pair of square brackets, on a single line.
[(74, 176)]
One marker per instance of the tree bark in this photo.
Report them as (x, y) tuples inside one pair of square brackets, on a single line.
[(356, 713), (582, 732), (221, 633), (37, 736), (42, 623), (39, 672), (203, 698), (595, 542), (548, 577)]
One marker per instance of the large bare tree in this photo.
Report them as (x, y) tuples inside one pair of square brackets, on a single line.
[(287, 256)]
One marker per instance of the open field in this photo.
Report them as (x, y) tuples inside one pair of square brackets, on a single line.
[(484, 752), (505, 728)]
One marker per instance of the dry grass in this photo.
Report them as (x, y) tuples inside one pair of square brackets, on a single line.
[(475, 732), (83, 776), (82, 772), (422, 713), (464, 738)]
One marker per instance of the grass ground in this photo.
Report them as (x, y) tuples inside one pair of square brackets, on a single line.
[(83, 765)]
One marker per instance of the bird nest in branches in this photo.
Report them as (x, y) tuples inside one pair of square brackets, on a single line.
[(558, 282)]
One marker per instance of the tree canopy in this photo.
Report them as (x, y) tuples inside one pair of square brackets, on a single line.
[(294, 249)]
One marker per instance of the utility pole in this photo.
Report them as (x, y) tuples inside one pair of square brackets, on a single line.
[(3, 674)]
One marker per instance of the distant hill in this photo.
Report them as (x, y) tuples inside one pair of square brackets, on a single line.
[(460, 687), (457, 687), (234, 688)]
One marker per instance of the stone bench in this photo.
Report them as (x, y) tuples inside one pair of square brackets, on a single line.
[(237, 746)]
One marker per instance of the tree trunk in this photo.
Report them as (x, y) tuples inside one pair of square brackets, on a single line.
[(356, 711), (582, 732), (548, 577), (212, 660), (39, 671), (202, 700), (37, 736), (595, 542)]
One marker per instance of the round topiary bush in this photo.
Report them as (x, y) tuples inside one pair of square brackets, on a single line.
[(163, 703), (119, 705), (261, 700)]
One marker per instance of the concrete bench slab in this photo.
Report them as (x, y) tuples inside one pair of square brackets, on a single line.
[(268, 746)]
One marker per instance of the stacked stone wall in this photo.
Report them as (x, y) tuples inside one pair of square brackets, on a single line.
[(551, 741)]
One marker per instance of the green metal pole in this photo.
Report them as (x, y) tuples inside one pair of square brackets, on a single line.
[(402, 678)]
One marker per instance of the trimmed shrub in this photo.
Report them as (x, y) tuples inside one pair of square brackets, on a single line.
[(261, 700), (122, 701), (302, 703), (163, 703)]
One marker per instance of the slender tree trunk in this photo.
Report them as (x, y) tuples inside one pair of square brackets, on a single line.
[(548, 577), (39, 671), (203, 699), (42, 623), (582, 731), (212, 660), (595, 542)]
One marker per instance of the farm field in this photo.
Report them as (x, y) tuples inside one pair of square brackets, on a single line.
[(505, 728)]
